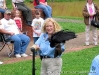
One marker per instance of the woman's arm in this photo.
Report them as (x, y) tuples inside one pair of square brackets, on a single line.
[(85, 12), (97, 9)]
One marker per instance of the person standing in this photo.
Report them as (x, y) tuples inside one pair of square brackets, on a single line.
[(50, 64), (18, 20), (2, 6), (11, 32), (89, 12), (37, 24), (19, 5), (42, 4)]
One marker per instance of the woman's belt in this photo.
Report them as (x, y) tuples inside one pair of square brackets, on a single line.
[(46, 56), (42, 57)]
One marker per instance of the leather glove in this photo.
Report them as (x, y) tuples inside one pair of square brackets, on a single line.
[(58, 50)]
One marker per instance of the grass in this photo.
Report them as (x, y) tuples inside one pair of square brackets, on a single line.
[(78, 63), (76, 27), (73, 9), (74, 63), (69, 17)]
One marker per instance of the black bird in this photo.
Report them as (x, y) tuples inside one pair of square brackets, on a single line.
[(61, 37)]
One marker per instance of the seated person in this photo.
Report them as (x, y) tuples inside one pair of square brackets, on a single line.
[(2, 6), (11, 31), (20, 5), (42, 4)]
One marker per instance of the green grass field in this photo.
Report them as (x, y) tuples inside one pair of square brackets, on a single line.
[(74, 63), (76, 27)]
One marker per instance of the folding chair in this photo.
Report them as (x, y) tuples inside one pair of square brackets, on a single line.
[(5, 42)]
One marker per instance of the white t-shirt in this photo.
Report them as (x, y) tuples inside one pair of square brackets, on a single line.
[(37, 24), (9, 25)]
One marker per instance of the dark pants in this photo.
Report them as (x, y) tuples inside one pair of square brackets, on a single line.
[(35, 39), (25, 10)]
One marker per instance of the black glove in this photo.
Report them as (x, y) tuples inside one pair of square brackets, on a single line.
[(58, 50)]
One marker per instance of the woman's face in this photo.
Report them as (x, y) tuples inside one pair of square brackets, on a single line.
[(50, 28), (89, 1)]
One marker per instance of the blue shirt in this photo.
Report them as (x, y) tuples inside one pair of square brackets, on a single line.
[(44, 45), (94, 70)]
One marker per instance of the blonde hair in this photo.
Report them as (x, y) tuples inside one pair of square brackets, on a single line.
[(56, 25), (17, 12)]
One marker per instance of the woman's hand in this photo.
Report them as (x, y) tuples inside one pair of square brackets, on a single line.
[(92, 14), (11, 33), (36, 47)]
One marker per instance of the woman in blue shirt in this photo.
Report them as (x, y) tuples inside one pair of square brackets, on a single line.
[(50, 65)]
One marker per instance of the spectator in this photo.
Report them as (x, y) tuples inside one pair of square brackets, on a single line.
[(1, 62), (37, 24), (2, 6), (18, 20), (94, 69), (42, 4), (50, 64), (19, 4), (89, 12), (11, 31)]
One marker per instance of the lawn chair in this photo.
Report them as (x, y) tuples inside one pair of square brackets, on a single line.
[(4, 43)]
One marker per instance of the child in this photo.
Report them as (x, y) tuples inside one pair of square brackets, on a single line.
[(37, 24), (18, 20)]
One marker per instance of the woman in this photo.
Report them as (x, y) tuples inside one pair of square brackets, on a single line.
[(89, 12), (42, 4), (50, 64), (2, 6)]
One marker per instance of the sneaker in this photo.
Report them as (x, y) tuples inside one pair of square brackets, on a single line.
[(96, 43), (24, 55), (17, 55), (1, 62), (31, 54), (87, 43)]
